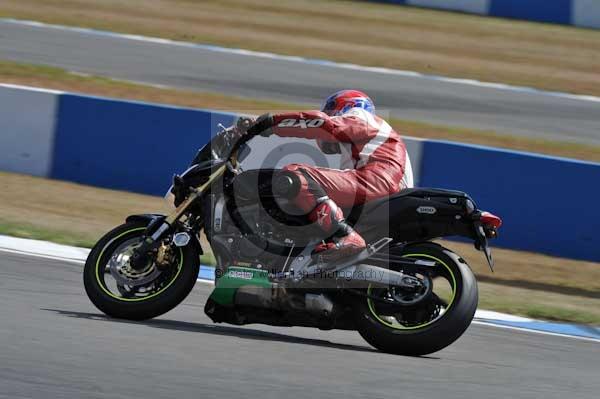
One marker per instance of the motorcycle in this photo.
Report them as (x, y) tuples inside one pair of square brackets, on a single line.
[(404, 294)]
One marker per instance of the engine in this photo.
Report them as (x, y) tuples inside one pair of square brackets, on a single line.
[(256, 234)]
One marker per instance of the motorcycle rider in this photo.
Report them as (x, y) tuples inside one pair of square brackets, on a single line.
[(374, 164)]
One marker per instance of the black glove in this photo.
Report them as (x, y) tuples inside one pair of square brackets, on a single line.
[(243, 123), (262, 125)]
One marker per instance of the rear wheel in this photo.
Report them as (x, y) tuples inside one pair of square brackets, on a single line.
[(423, 322), (119, 291)]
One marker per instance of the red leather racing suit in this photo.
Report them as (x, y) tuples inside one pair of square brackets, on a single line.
[(374, 160)]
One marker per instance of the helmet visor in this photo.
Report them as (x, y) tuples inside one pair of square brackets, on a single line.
[(329, 107)]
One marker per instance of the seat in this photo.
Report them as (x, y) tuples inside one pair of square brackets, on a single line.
[(352, 214), (420, 192)]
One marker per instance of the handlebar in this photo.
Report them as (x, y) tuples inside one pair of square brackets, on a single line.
[(236, 136), (225, 143)]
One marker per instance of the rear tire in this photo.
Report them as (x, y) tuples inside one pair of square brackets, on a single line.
[(165, 299), (439, 333)]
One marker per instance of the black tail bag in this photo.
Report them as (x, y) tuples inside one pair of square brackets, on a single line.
[(415, 215)]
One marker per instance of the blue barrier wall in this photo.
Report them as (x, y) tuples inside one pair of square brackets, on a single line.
[(548, 204), (556, 11), (584, 13), (127, 145)]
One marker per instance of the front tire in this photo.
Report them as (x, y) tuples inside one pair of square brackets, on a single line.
[(430, 336), (164, 293)]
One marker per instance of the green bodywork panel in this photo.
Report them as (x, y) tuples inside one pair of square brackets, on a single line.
[(236, 277)]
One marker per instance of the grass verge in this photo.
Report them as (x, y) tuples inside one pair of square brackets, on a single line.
[(59, 79), (546, 56), (24, 230), (527, 284), (539, 304)]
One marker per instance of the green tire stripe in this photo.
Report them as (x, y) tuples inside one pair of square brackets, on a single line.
[(372, 310), (179, 267)]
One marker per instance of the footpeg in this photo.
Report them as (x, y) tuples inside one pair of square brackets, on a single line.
[(377, 245)]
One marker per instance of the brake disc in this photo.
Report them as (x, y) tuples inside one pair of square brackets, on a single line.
[(123, 273)]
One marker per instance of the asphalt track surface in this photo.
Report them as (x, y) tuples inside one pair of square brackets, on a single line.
[(55, 344), (524, 113)]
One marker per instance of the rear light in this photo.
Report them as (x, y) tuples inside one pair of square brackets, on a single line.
[(491, 220)]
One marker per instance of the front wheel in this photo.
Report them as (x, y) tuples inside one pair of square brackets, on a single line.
[(400, 323), (122, 292)]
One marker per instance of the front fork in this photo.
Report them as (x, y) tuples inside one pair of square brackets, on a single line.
[(157, 229), (161, 225)]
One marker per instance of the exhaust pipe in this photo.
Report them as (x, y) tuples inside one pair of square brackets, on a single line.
[(276, 298)]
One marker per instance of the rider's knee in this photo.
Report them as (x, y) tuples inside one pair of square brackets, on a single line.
[(288, 183)]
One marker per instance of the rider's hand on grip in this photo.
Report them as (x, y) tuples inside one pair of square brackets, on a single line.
[(262, 125), (244, 123)]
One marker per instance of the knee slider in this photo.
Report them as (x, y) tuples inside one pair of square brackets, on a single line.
[(286, 184)]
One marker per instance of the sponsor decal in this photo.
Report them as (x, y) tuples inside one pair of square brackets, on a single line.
[(301, 123), (240, 274), (321, 215), (429, 210)]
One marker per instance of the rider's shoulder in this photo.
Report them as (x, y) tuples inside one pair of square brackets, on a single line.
[(359, 113)]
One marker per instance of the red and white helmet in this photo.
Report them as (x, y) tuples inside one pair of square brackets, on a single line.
[(338, 104), (344, 100)]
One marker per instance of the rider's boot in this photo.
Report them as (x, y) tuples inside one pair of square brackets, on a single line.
[(345, 241)]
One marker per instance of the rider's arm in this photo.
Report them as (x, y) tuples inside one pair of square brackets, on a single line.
[(316, 125)]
